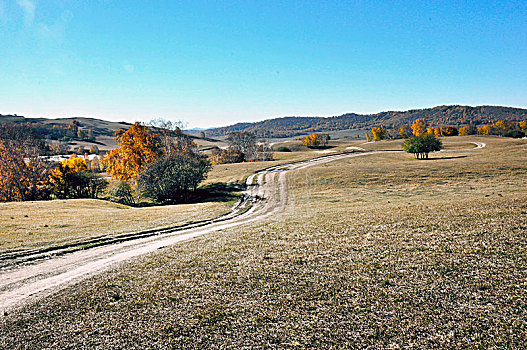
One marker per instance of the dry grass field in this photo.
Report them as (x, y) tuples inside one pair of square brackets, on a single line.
[(30, 225), (381, 251)]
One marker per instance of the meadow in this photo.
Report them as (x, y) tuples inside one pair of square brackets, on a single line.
[(379, 251)]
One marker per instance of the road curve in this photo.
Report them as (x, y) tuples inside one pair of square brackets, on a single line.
[(23, 283)]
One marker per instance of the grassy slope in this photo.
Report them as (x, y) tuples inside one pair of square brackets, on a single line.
[(381, 251), (40, 224)]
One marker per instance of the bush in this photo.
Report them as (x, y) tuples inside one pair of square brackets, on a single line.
[(71, 179), (420, 146), (283, 149), (517, 134), (123, 193), (172, 179)]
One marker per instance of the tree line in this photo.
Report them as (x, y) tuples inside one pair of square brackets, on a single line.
[(155, 161), (440, 115)]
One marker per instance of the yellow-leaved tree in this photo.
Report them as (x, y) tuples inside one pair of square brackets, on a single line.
[(419, 127), (72, 179), (378, 134), (137, 147)]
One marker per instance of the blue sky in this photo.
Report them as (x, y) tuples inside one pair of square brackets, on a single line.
[(212, 63)]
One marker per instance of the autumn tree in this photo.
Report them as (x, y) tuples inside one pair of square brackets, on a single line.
[(316, 140), (501, 127), (225, 156), (420, 146), (468, 129), (405, 131), (449, 131), (368, 137), (137, 147), (484, 130), (419, 127), (378, 133), (23, 173), (72, 179)]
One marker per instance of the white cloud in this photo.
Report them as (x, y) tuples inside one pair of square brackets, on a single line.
[(29, 10)]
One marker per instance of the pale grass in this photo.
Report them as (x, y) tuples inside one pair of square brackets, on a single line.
[(379, 252), (39, 224)]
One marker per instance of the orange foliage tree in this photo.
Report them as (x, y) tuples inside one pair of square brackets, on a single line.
[(484, 130), (71, 179), (315, 140), (22, 177), (137, 147), (23, 173), (449, 131), (419, 127), (378, 134)]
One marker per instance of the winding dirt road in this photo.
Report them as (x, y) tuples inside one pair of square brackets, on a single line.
[(41, 273), (37, 274)]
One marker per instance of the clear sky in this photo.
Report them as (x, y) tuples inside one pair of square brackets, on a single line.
[(212, 63)]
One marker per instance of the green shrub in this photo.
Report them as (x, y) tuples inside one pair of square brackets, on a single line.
[(283, 149), (420, 146), (123, 193), (172, 179), (517, 134)]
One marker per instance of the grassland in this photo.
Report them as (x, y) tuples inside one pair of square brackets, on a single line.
[(381, 251), (30, 225)]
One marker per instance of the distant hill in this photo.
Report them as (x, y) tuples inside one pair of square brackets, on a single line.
[(441, 115), (92, 131), (73, 131), (98, 127)]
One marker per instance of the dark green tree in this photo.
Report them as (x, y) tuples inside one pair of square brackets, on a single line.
[(420, 146), (173, 179)]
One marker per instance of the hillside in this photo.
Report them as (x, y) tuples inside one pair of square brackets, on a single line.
[(441, 115), (98, 127), (92, 131)]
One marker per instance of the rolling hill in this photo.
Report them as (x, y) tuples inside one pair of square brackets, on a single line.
[(440, 115)]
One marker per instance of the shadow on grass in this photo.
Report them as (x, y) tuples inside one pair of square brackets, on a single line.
[(321, 147), (215, 192), (451, 157)]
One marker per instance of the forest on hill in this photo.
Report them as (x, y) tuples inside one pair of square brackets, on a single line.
[(68, 129), (441, 115)]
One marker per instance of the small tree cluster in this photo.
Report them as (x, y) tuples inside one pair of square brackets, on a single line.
[(504, 128), (469, 129), (225, 156), (378, 134), (449, 131), (316, 140), (420, 146), (171, 179), (246, 143), (72, 179), (419, 127), (23, 173), (163, 163)]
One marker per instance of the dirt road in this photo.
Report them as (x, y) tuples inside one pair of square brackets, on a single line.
[(46, 272)]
